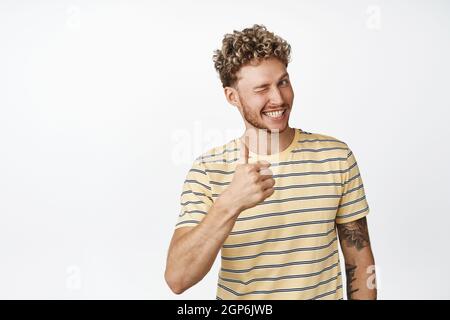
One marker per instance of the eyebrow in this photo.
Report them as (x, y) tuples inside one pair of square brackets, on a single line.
[(267, 84)]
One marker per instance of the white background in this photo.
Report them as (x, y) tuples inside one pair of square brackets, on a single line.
[(104, 105)]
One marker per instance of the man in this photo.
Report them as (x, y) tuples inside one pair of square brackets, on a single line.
[(275, 227)]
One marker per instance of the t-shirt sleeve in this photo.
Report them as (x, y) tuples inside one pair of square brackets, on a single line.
[(353, 204), (196, 197)]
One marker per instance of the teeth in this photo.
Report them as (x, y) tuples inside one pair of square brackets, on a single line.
[(274, 114)]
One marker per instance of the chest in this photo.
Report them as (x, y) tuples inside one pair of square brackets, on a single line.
[(303, 206)]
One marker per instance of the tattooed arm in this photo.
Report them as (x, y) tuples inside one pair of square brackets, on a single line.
[(359, 261)]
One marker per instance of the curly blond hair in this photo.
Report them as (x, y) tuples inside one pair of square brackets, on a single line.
[(241, 47)]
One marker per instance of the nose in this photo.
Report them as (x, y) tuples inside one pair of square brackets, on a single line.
[(275, 97)]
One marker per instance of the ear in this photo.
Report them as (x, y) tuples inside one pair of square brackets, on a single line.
[(232, 96)]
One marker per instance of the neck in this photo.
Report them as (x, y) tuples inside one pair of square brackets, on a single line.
[(263, 142)]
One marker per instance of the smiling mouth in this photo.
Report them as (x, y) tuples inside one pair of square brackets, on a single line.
[(275, 114)]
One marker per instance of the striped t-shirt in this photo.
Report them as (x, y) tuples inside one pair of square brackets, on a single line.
[(285, 247)]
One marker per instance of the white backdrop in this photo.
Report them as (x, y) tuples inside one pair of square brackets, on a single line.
[(105, 104)]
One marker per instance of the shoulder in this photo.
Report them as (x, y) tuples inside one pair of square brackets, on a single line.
[(222, 154), (325, 142), (321, 139)]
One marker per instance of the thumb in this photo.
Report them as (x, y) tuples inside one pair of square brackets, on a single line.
[(244, 150)]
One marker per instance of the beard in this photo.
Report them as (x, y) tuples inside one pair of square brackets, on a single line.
[(255, 119)]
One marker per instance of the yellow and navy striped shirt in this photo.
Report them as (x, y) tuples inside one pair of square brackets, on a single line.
[(286, 246)]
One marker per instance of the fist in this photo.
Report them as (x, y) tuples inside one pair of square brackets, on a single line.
[(251, 183)]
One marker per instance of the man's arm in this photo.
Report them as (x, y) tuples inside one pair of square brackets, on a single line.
[(359, 261), (193, 249)]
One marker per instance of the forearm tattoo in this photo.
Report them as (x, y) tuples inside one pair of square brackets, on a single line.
[(354, 234), (350, 272)]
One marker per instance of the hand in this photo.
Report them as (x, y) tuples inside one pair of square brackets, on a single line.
[(251, 183)]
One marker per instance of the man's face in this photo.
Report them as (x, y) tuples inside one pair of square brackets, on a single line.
[(265, 95)]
